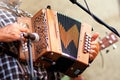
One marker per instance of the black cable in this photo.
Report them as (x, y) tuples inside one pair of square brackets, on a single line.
[(96, 18), (87, 6)]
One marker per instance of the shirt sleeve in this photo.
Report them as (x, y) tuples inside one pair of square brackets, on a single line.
[(6, 18)]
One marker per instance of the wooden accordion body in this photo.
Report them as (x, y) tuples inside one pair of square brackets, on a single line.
[(64, 42)]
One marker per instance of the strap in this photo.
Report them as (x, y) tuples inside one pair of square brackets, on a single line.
[(23, 70)]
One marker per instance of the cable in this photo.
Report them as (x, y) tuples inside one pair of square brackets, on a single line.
[(96, 18)]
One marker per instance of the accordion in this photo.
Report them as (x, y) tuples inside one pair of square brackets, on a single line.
[(63, 45)]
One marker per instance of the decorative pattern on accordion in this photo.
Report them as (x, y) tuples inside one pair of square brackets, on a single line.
[(69, 34), (40, 26)]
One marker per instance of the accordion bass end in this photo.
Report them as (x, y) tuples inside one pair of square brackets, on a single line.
[(64, 42)]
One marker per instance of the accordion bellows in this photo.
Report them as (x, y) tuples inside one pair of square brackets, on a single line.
[(63, 45)]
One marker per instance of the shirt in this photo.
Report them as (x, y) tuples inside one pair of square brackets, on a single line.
[(10, 67)]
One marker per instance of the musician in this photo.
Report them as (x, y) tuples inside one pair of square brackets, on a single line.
[(10, 66)]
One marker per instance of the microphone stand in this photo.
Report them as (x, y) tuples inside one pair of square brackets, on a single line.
[(29, 45), (96, 18)]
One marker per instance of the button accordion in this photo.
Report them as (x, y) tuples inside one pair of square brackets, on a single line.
[(64, 42)]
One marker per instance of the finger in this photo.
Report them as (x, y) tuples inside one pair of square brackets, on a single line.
[(22, 29), (94, 36), (95, 46), (94, 50), (92, 55)]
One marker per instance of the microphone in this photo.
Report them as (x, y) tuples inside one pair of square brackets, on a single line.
[(33, 36)]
